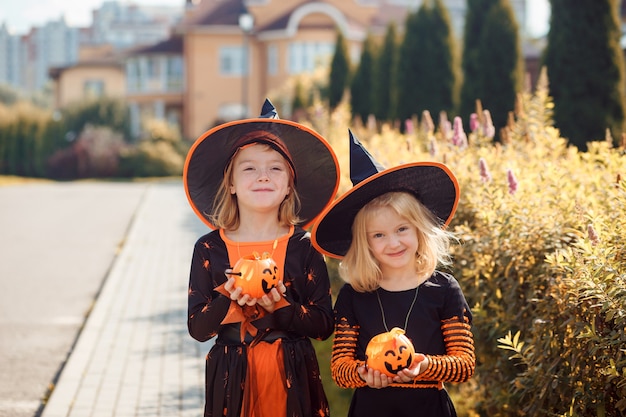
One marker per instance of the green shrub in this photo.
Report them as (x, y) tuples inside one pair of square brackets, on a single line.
[(22, 140), (159, 152), (151, 159), (109, 112), (95, 154)]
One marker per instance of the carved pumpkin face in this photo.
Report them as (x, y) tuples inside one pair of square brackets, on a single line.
[(390, 352), (256, 275)]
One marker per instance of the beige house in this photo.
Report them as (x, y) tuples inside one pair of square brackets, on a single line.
[(99, 72), (230, 67), (155, 83)]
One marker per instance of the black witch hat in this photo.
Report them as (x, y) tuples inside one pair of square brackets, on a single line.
[(432, 183), (311, 158)]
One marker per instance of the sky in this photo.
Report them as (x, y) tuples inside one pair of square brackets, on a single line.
[(21, 15), (537, 16)]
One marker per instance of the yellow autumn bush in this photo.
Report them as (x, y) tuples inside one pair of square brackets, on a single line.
[(541, 256)]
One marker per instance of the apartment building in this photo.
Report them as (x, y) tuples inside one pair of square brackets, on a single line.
[(10, 73), (26, 59)]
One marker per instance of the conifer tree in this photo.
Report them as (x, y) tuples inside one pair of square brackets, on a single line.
[(427, 75), (300, 100), (471, 61), (385, 91), (339, 72), (408, 68), (586, 69), (361, 91), (502, 69), (441, 66)]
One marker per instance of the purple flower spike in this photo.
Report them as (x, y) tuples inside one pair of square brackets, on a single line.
[(485, 175), (408, 124), (512, 181), (427, 122), (593, 236), (474, 123), (459, 138), (488, 129), (444, 125), (432, 148), (446, 129)]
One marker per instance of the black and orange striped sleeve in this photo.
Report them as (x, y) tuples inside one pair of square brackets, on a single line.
[(344, 364), (459, 362)]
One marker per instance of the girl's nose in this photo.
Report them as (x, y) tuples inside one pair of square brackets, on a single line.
[(394, 241), (263, 175)]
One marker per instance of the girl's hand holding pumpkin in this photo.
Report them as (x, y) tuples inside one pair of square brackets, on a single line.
[(268, 301), (236, 292), (418, 365), (374, 378)]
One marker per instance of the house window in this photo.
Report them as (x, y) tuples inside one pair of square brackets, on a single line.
[(232, 60), (154, 68), (132, 75), (93, 88), (230, 111), (152, 74), (272, 60), (306, 56), (175, 74)]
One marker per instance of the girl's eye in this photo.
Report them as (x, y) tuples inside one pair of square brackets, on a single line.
[(403, 228), (377, 235)]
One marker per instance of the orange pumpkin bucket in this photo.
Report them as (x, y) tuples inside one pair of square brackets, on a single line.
[(389, 352), (256, 274)]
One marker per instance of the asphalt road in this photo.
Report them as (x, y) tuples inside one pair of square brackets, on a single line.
[(57, 243)]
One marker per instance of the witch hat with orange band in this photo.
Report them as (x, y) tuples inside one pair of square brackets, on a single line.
[(432, 183), (311, 158)]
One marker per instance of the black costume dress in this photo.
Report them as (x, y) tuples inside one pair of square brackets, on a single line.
[(308, 315), (439, 326)]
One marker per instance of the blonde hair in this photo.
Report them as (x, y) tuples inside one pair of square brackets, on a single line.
[(226, 210), (360, 268)]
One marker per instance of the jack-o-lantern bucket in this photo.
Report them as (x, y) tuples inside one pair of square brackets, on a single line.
[(389, 352), (256, 274)]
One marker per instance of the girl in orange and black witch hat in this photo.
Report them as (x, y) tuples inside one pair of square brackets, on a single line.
[(402, 327), (259, 183)]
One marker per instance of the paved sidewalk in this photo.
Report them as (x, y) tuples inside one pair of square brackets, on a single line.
[(134, 356)]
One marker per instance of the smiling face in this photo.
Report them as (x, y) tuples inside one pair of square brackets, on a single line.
[(260, 178), (393, 241), (398, 356)]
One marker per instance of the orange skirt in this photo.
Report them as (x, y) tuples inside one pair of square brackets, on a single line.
[(265, 392)]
